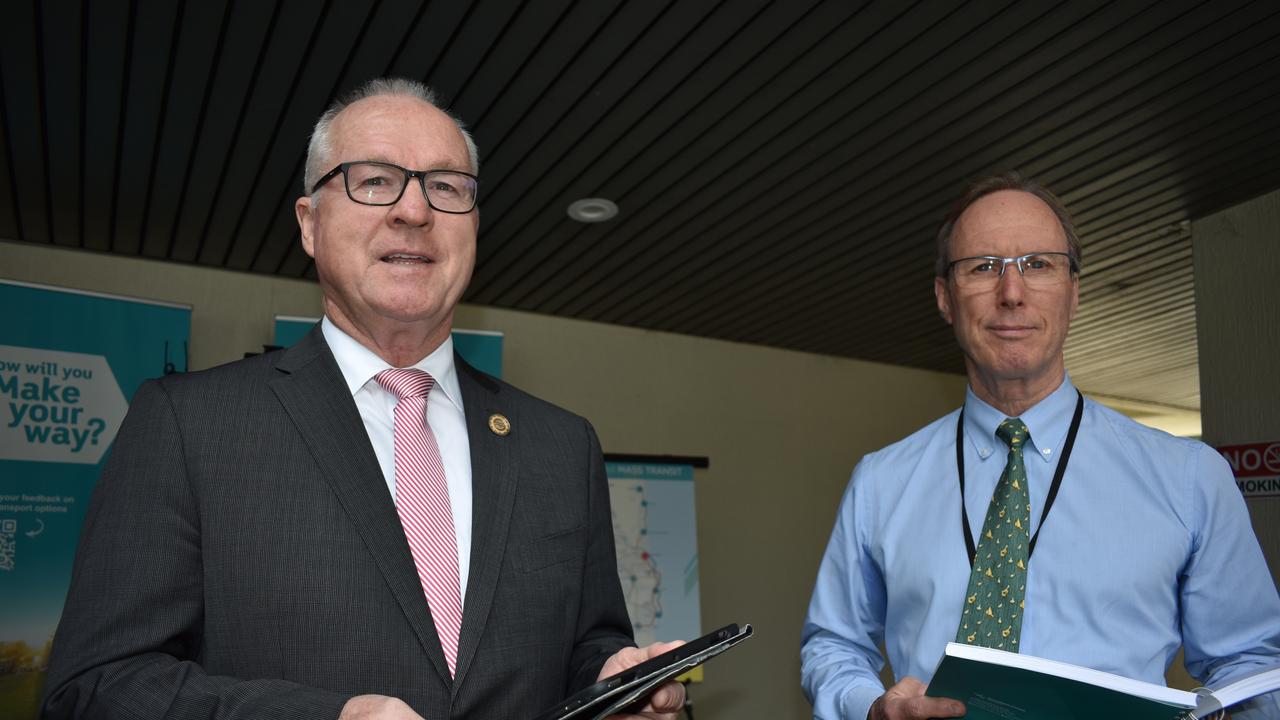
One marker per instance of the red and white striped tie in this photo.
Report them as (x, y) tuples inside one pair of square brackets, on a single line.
[(422, 500)]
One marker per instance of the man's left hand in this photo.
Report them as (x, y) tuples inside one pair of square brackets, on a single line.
[(667, 701)]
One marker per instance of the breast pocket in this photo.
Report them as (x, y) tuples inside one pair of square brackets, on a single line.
[(561, 547)]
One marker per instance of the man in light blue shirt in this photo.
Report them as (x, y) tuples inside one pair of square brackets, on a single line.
[(1145, 547)]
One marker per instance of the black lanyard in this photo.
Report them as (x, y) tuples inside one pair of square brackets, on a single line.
[(1053, 488)]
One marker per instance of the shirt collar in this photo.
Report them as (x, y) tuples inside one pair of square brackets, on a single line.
[(359, 364), (1047, 421)]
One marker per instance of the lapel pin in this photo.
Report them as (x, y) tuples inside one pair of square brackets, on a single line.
[(499, 424)]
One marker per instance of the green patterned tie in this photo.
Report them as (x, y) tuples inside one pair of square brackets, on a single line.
[(998, 582)]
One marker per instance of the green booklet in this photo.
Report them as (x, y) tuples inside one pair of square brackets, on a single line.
[(999, 685)]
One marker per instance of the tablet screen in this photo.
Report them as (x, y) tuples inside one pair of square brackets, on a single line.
[(634, 685)]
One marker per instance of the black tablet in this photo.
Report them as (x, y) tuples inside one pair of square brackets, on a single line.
[(633, 686)]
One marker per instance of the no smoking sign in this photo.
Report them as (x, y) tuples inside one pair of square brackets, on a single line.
[(1256, 467)]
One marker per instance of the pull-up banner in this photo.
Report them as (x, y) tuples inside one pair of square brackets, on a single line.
[(69, 362)]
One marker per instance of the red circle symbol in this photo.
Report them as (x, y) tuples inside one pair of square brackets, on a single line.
[(1271, 458)]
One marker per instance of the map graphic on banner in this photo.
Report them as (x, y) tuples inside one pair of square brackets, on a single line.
[(654, 531)]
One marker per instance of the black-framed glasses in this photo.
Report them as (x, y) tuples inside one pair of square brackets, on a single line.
[(378, 183), (1038, 269)]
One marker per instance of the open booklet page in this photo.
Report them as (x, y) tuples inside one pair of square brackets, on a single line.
[(1009, 686)]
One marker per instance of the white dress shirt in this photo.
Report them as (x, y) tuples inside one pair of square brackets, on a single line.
[(445, 418)]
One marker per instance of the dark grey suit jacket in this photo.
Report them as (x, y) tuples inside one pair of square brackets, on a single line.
[(242, 557)]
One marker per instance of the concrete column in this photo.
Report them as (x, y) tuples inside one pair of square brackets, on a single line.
[(1237, 274)]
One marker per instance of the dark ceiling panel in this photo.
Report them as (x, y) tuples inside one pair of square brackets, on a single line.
[(507, 104), (486, 24), (63, 63), (506, 164), (431, 34), (10, 225), (663, 153), (230, 89), (648, 149), (157, 31), (22, 65), (194, 61), (282, 63), (839, 177), (107, 31), (524, 33), (730, 189), (781, 168)]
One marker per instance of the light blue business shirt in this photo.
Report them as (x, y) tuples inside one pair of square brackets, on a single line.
[(1148, 546)]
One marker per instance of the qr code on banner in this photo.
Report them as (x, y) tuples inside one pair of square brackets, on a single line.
[(8, 546)]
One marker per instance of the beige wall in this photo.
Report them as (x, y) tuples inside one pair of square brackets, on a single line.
[(1237, 272), (782, 431)]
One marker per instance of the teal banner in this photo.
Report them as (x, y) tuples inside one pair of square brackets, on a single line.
[(481, 348), (69, 362)]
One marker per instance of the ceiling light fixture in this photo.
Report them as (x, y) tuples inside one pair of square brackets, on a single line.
[(593, 210)]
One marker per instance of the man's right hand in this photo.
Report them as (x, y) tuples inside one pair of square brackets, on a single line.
[(906, 701), (377, 707)]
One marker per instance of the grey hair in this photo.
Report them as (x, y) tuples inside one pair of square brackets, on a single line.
[(1011, 180), (320, 149)]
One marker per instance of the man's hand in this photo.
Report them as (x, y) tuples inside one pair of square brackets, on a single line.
[(377, 707), (667, 701), (906, 701)]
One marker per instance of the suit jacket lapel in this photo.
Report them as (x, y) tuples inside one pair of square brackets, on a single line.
[(312, 390), (493, 488)]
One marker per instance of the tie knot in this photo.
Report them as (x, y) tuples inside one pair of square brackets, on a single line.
[(406, 382), (1013, 432)]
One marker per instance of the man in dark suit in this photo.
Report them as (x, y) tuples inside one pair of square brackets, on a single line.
[(254, 548)]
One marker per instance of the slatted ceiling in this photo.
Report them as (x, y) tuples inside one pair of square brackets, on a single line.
[(10, 217), (547, 89), (1158, 336), (153, 40), (1162, 139), (1116, 282), (1147, 299), (1165, 343), (23, 128), (308, 71), (522, 154), (521, 36), (515, 236), (1158, 367), (508, 99), (62, 98), (428, 37), (334, 47), (10, 224), (178, 130), (194, 58), (241, 36), (580, 129), (283, 58), (106, 39)]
